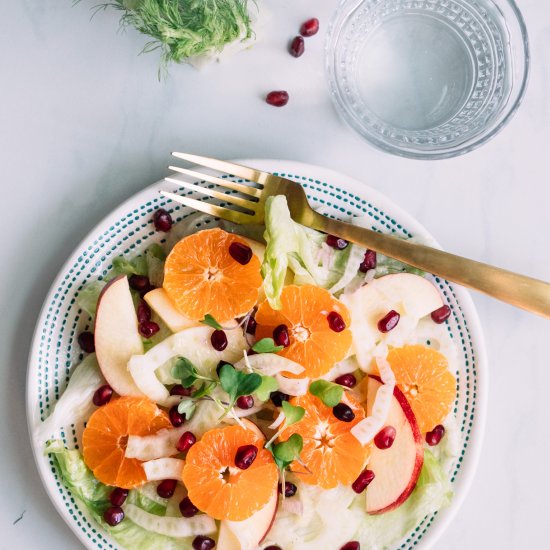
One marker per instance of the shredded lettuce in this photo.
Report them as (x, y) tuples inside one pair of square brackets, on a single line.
[(78, 478), (155, 257), (88, 297)]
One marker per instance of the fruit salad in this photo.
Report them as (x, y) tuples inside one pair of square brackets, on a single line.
[(264, 387)]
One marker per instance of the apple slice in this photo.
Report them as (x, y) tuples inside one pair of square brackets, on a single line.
[(116, 335), (249, 533), (159, 301), (413, 297), (396, 468)]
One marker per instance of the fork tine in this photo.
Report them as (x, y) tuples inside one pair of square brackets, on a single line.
[(244, 189), (231, 199), (223, 166), (207, 208)]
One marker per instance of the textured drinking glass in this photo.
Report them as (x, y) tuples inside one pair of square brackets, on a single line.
[(427, 78)]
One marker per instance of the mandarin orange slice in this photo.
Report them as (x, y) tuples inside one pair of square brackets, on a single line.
[(106, 434), (423, 375), (306, 311), (331, 452), (201, 277), (217, 486)]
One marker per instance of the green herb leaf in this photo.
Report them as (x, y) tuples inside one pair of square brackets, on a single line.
[(287, 451), (211, 322), (266, 345), (185, 371), (328, 392), (204, 389), (236, 383), (293, 413), (268, 385), (187, 407)]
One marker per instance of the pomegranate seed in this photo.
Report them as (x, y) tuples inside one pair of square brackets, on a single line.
[(336, 242), (102, 395), (369, 261), (221, 364), (118, 496), (178, 389), (245, 402), (310, 27), (251, 326), (385, 437), (278, 98), (113, 515), (347, 380), (343, 412), (162, 220), (351, 545), (143, 312), (187, 508), (148, 329), (86, 341), (297, 47), (186, 441), (175, 417), (203, 543), (280, 336), (290, 489), (273, 547), (434, 437), (335, 321), (277, 397), (240, 252), (389, 321), (139, 282), (166, 488), (362, 481), (245, 456), (218, 339), (440, 315)]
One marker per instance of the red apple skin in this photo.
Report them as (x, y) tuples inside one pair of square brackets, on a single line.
[(272, 519), (419, 459)]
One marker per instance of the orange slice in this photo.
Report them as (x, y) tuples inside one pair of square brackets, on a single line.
[(217, 486), (330, 451), (106, 434), (423, 375), (313, 344), (202, 277)]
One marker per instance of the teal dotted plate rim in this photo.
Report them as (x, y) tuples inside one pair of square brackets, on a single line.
[(128, 229)]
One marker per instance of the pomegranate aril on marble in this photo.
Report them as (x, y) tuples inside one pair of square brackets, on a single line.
[(118, 496), (351, 545), (102, 395), (203, 543), (389, 321), (245, 456), (343, 412), (166, 488), (281, 336), (277, 397), (310, 27), (346, 380), (86, 341), (385, 437), (434, 437), (277, 98), (143, 312), (186, 441), (369, 261), (178, 389), (218, 339), (362, 481), (297, 46), (335, 321), (290, 489), (139, 282), (176, 418), (148, 329), (240, 252), (441, 314), (113, 515), (162, 220), (187, 508), (245, 402), (336, 242)]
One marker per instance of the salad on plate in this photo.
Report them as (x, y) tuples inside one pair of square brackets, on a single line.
[(264, 387)]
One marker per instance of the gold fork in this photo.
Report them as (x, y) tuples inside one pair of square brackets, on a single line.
[(513, 288)]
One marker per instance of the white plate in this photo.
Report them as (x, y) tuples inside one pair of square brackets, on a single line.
[(128, 229)]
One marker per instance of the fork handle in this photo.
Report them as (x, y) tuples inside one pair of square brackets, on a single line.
[(521, 291)]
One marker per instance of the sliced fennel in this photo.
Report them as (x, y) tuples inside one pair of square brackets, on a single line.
[(163, 468)]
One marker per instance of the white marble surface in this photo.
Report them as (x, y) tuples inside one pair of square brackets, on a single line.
[(84, 123)]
